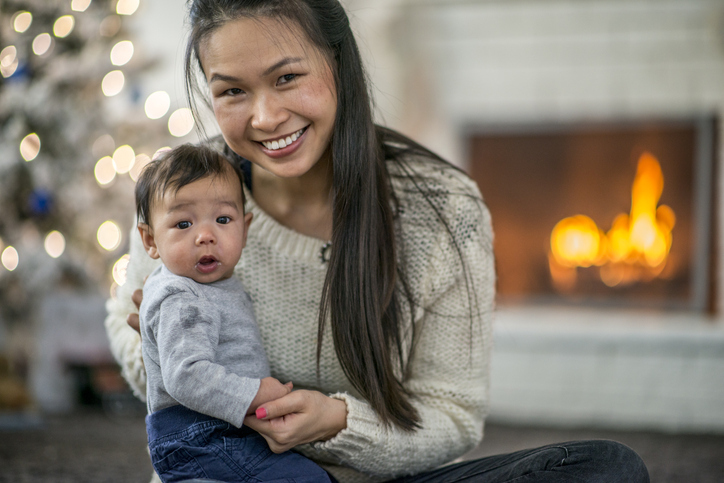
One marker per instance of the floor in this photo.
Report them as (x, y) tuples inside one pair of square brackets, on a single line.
[(101, 446)]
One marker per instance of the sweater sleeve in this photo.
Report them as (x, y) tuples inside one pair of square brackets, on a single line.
[(450, 368), (188, 338), (125, 342)]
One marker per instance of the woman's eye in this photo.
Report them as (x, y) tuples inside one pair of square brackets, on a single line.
[(223, 220), (234, 91), (286, 78), (182, 225)]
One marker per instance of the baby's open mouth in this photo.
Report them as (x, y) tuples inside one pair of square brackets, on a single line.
[(207, 264)]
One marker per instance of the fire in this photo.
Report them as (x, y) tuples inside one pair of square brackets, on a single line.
[(635, 248)]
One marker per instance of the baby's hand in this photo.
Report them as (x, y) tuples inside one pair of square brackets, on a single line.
[(269, 390)]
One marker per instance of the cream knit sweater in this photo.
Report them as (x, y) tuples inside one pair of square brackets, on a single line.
[(449, 375)]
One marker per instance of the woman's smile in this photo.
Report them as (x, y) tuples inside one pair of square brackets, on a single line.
[(284, 146)]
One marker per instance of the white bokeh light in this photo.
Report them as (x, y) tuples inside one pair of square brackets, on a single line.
[(157, 104), (181, 122), (109, 235), (42, 43), (141, 161), (123, 159), (30, 147), (10, 258), (80, 5), (122, 52), (55, 244), (22, 21), (8, 60), (127, 7), (104, 170), (119, 269), (63, 26), (113, 83)]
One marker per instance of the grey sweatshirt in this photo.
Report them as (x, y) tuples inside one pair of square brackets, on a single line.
[(201, 346)]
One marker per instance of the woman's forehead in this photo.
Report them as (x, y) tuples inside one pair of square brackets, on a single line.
[(256, 43)]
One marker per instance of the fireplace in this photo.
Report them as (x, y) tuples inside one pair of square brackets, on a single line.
[(615, 214)]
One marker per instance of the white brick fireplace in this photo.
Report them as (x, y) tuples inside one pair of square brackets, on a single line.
[(444, 69)]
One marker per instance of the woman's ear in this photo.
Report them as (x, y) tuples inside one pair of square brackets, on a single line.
[(149, 243)]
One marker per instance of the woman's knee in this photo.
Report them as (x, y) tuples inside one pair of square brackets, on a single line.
[(618, 461)]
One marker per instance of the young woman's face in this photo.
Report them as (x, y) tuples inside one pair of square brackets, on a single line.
[(272, 92)]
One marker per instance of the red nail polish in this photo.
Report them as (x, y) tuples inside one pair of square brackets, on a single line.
[(260, 413)]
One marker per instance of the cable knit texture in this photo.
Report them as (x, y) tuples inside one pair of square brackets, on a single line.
[(449, 373)]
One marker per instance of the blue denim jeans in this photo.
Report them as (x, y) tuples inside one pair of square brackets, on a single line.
[(577, 461), (187, 445)]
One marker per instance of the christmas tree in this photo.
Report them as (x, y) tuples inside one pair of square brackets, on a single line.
[(75, 130)]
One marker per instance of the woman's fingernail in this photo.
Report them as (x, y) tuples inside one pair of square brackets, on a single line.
[(260, 413)]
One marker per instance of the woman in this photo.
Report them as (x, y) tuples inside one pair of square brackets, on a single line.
[(369, 261)]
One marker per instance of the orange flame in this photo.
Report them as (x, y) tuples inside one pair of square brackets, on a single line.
[(635, 248)]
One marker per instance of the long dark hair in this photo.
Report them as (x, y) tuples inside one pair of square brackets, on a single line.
[(364, 282)]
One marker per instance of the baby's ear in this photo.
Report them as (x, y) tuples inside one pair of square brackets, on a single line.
[(149, 243)]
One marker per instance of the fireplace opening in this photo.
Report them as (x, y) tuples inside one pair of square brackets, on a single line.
[(614, 214)]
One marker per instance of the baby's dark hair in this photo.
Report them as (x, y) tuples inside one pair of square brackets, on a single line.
[(177, 168)]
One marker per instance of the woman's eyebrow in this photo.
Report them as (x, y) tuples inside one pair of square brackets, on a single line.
[(230, 78), (282, 63)]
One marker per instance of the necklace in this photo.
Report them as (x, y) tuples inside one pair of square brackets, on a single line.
[(324, 252)]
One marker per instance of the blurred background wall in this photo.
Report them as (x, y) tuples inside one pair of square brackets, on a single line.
[(556, 108)]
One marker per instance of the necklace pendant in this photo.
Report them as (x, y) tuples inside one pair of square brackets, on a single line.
[(324, 252)]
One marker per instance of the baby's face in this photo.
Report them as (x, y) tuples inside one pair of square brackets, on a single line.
[(200, 231)]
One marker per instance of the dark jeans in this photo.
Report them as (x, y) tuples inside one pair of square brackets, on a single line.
[(186, 445), (577, 461)]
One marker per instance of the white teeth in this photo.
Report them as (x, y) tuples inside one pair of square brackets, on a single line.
[(283, 142)]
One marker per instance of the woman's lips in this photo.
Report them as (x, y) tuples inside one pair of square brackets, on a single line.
[(288, 149), (207, 264)]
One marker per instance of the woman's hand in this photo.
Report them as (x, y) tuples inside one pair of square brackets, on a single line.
[(297, 418), (133, 319), (269, 390)]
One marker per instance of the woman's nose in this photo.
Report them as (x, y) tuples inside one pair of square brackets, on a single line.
[(268, 113)]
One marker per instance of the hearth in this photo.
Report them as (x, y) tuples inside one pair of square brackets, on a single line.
[(613, 214)]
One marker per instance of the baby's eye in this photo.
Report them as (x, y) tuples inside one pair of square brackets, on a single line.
[(182, 225), (223, 220)]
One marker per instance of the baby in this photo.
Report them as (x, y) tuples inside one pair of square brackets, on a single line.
[(205, 364)]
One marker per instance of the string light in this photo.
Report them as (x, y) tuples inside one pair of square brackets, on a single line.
[(141, 161), (8, 61), (181, 122), (160, 151), (10, 259), (30, 147), (63, 26), (109, 235), (120, 268), (22, 21), (123, 159), (122, 52), (113, 83), (55, 244), (157, 105), (80, 5), (103, 145), (127, 7), (42, 43), (110, 26), (105, 171)]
